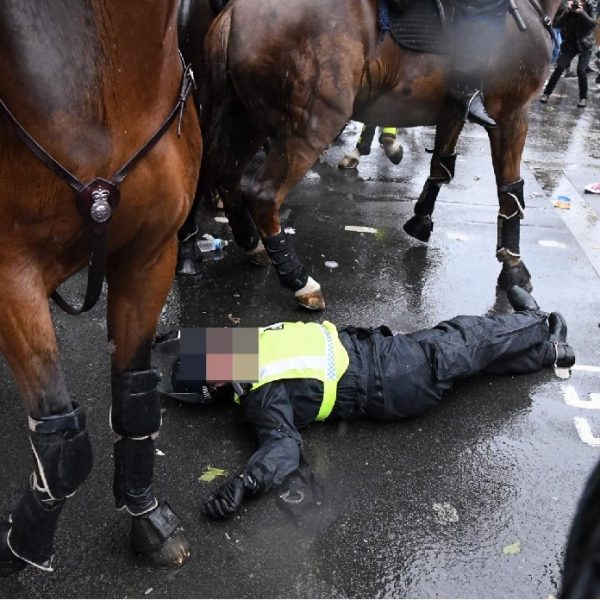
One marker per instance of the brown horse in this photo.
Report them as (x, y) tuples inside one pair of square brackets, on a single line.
[(297, 71), (92, 83)]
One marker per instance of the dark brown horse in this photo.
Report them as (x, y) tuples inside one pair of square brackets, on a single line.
[(297, 71), (91, 82)]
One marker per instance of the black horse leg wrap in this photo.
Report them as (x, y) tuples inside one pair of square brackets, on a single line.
[(365, 141), (136, 405), (509, 225), (62, 452), (290, 270), (448, 163), (136, 419), (134, 468), (426, 202), (33, 523)]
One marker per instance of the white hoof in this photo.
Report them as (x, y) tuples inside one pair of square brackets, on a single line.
[(310, 287), (310, 296), (393, 150), (350, 161)]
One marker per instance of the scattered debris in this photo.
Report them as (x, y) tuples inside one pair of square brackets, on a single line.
[(234, 320), (512, 548), (562, 202), (289, 231), (212, 473), (551, 244), (221, 219), (593, 188), (445, 513), (331, 264), (360, 229), (159, 452)]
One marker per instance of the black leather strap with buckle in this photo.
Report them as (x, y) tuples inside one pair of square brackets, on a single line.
[(98, 199)]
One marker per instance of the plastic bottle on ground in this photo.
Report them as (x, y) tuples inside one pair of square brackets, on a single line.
[(209, 244)]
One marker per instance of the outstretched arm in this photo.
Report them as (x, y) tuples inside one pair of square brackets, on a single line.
[(279, 449)]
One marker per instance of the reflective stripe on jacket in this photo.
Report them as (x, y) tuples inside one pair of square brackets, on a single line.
[(302, 351)]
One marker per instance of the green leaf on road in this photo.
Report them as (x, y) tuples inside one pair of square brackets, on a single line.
[(212, 473), (512, 548)]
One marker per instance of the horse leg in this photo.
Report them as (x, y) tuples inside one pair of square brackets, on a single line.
[(391, 146), (507, 143), (362, 148), (138, 284), (441, 171), (59, 440), (189, 260), (266, 193)]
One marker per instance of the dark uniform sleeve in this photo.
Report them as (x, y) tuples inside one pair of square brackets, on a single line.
[(279, 451)]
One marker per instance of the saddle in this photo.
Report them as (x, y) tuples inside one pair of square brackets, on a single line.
[(420, 25), (417, 26)]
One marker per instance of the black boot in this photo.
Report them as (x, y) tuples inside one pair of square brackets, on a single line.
[(520, 299), (565, 356), (470, 103)]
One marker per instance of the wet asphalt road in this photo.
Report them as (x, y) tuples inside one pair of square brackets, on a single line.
[(473, 499)]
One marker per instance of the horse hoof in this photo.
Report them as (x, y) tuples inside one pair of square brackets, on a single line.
[(189, 260), (419, 227), (9, 563), (394, 151), (348, 162), (517, 275), (158, 536), (312, 301), (258, 256), (188, 266)]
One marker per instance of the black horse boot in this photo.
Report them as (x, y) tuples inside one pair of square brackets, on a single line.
[(469, 100)]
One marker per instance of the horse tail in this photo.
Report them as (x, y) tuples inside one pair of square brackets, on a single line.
[(219, 99)]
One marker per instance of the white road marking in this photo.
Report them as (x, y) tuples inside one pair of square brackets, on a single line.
[(585, 432), (588, 368), (360, 229), (572, 398)]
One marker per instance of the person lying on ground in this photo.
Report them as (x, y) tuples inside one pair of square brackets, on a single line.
[(314, 372)]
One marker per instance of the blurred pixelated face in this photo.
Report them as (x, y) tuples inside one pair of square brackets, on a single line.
[(219, 354)]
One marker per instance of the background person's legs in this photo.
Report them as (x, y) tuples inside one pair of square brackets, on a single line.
[(564, 60), (582, 65)]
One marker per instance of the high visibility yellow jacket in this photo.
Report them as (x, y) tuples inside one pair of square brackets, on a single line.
[(302, 351)]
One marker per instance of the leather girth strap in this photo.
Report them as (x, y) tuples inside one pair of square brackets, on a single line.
[(98, 199)]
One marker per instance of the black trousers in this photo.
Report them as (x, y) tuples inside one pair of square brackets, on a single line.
[(567, 54), (413, 371)]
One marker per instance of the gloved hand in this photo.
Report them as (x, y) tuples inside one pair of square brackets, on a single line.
[(227, 500)]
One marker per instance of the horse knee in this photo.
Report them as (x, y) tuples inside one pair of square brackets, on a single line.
[(136, 419), (63, 453), (261, 200)]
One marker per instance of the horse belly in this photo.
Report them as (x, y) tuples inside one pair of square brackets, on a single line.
[(392, 111)]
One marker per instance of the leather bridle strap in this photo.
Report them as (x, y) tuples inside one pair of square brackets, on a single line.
[(546, 20), (97, 200)]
